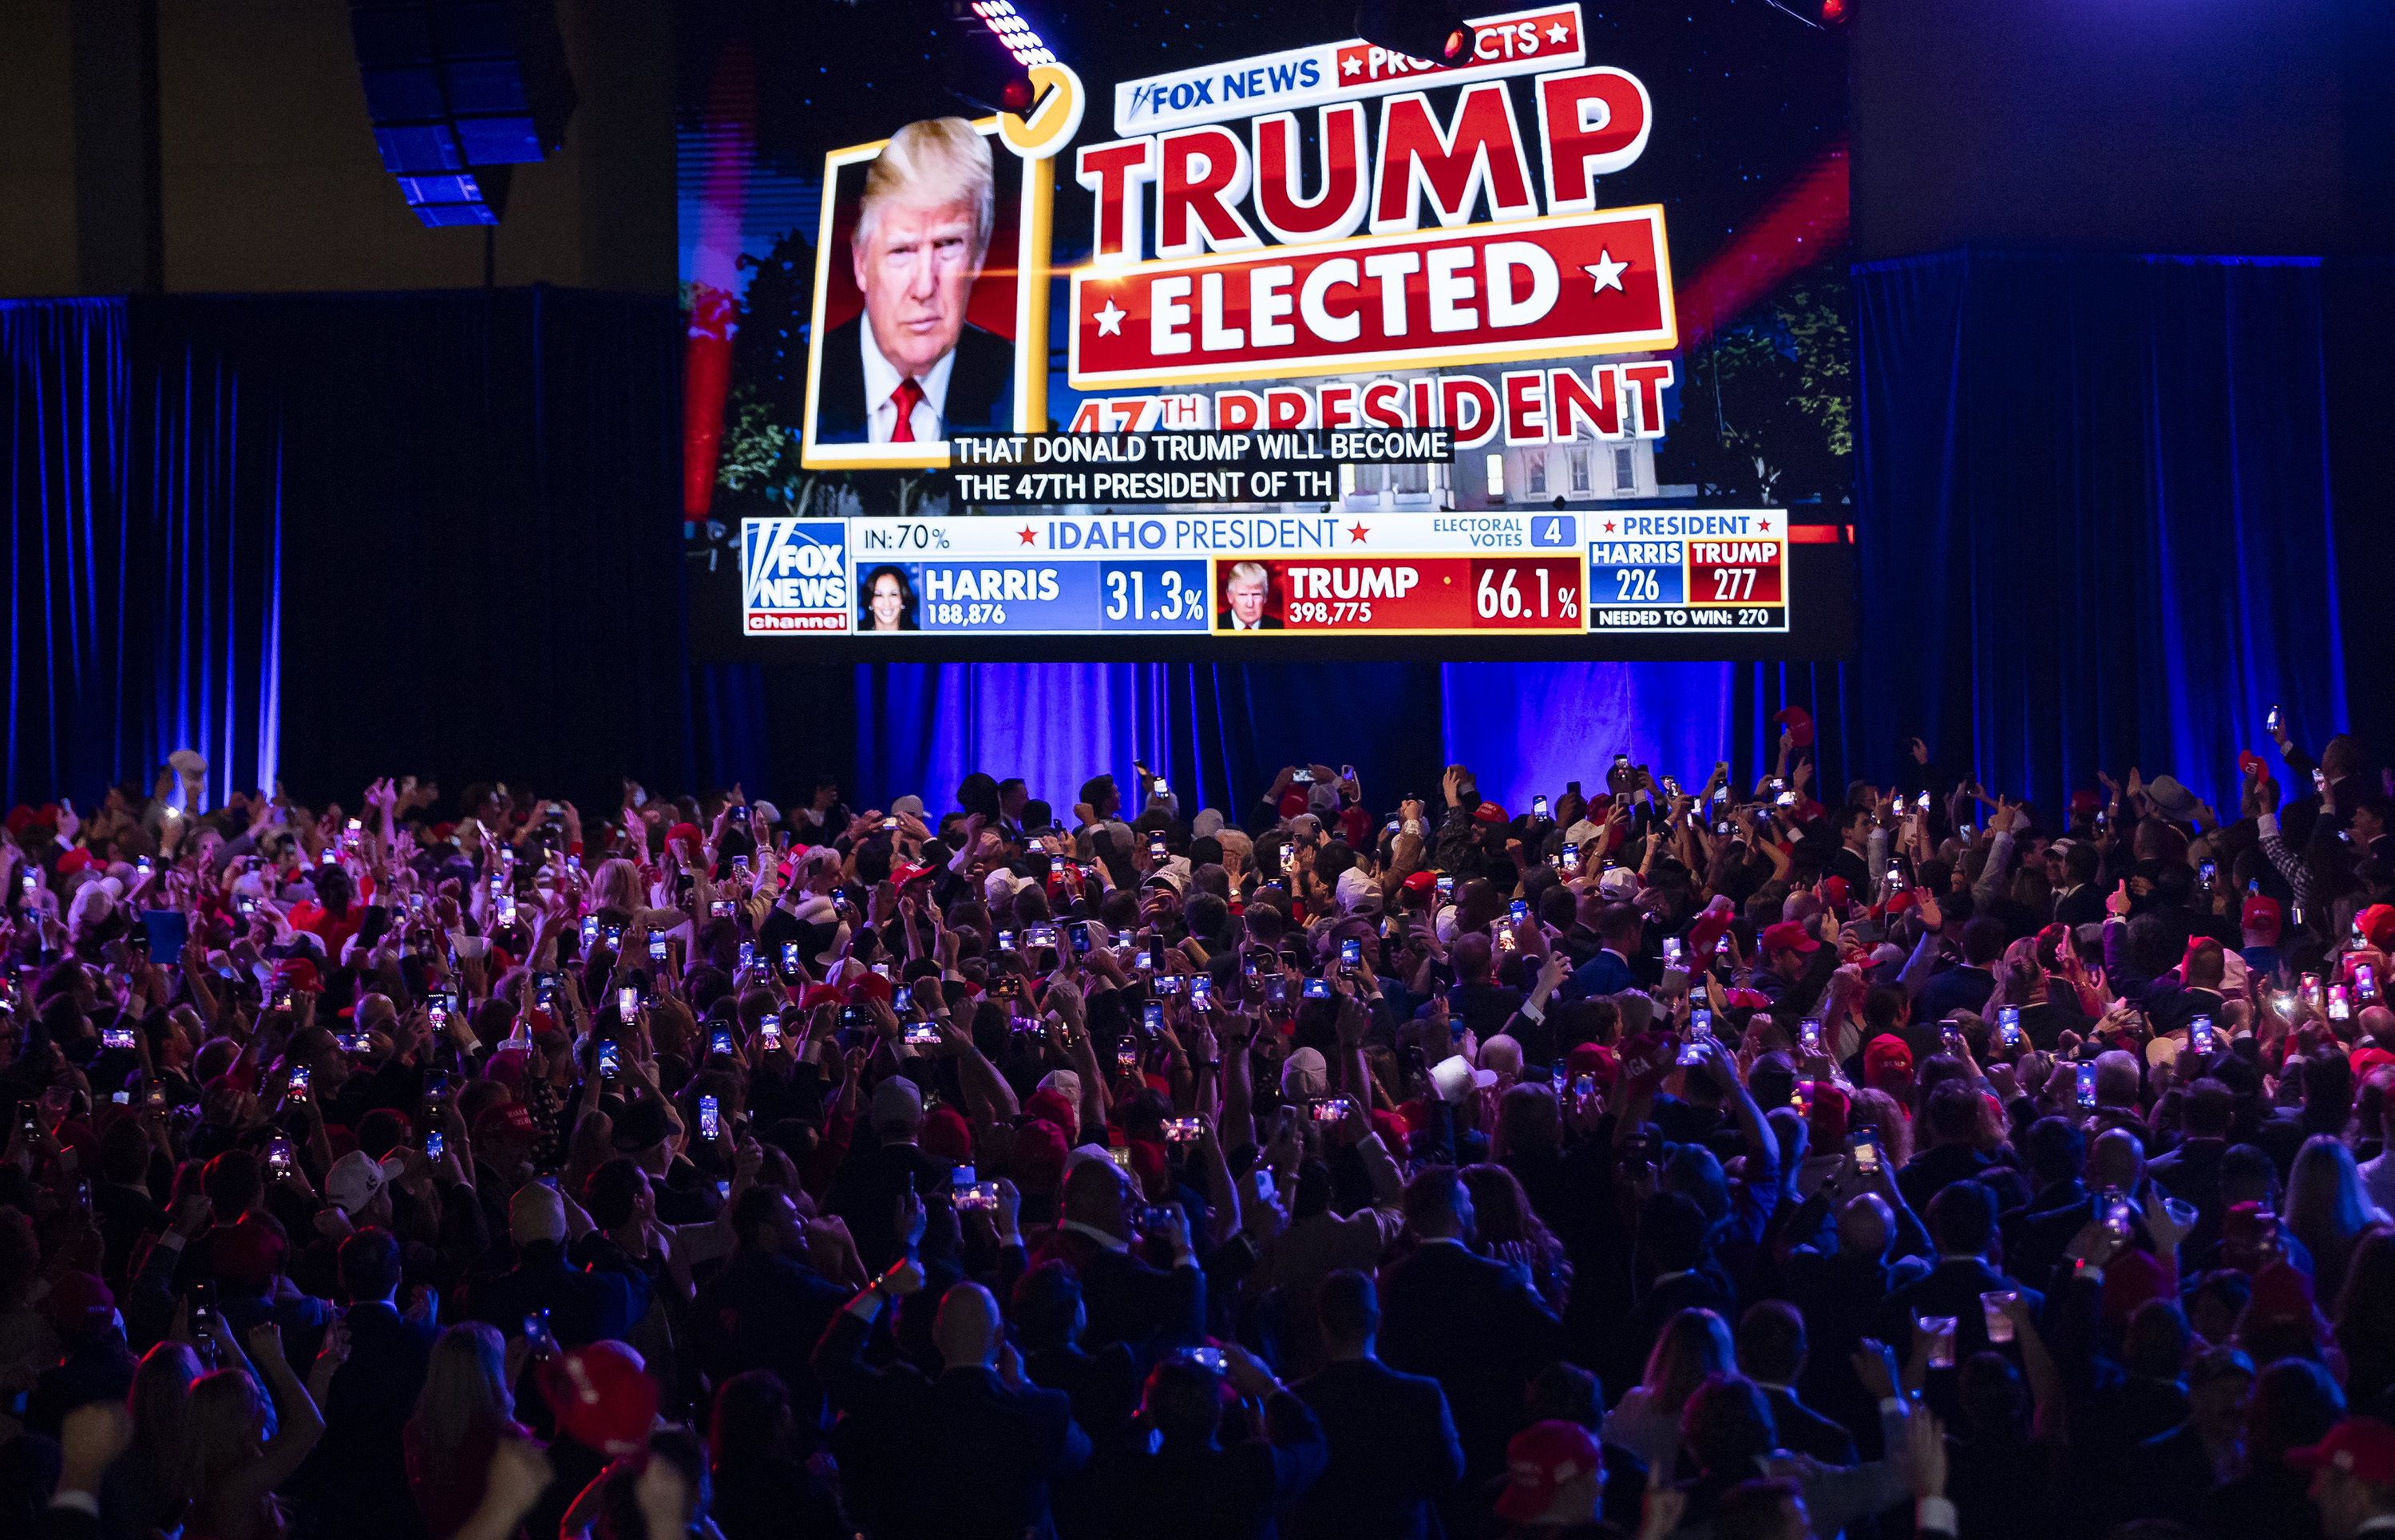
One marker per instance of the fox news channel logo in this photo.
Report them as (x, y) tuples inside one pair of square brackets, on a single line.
[(793, 576)]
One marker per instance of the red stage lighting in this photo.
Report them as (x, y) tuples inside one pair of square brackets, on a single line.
[(1833, 12)]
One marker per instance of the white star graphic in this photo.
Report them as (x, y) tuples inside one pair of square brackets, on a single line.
[(1351, 65), (1606, 272), (1559, 32), (1110, 319)]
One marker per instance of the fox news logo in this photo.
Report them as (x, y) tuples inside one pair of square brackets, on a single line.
[(793, 576)]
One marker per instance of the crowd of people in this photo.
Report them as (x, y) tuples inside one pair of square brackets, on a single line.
[(1681, 1161)]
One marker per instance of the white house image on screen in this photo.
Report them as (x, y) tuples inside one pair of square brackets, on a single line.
[(1585, 470)]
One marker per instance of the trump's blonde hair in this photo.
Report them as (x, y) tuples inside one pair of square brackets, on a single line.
[(932, 161)]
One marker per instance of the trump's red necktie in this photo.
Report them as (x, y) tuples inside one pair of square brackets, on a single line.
[(904, 398)]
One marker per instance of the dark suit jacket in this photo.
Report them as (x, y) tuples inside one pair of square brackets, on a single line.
[(1606, 973), (1394, 1453), (1264, 622), (1960, 988), (356, 1479), (1805, 1431), (980, 386), (866, 1195), (1953, 1288), (764, 1311), (948, 1458), (2034, 1237), (1149, 1309), (1218, 1492), (2172, 1010), (2084, 906), (2168, 1476), (1477, 1327), (584, 1307), (2191, 1172), (126, 1214), (1633, 1335)]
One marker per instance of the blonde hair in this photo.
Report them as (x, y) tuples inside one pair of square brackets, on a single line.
[(465, 1393), (616, 885), (221, 1422), (936, 161)]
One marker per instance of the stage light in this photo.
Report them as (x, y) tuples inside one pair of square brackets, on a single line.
[(1833, 12), (992, 46), (1432, 30)]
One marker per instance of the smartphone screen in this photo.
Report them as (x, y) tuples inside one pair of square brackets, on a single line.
[(710, 1121), (1538, 808), (1351, 952), (610, 1059), (627, 1002), (2086, 1088)]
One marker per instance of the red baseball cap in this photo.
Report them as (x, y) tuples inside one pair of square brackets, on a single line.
[(1711, 926), (946, 1134), (502, 1118), (2259, 913), (2362, 1448), (1799, 722), (1593, 1059), (1788, 935), (1055, 1107), (1886, 1052), (1039, 1157), (2377, 924), (601, 1396), (1539, 1461), (1421, 882), (77, 1303), (1831, 1108), (1901, 900), (903, 875), (1834, 892), (1490, 813)]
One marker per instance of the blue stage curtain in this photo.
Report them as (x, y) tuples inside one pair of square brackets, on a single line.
[(481, 568), (146, 530), (328, 538), (1220, 732), (925, 726), (2095, 523)]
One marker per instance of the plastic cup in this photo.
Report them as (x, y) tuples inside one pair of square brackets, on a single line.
[(1941, 1340), (1991, 1306)]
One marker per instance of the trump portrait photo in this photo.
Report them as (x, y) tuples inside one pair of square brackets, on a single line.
[(1247, 593), (911, 368)]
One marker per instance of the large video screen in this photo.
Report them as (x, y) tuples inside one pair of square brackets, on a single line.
[(1235, 337)]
